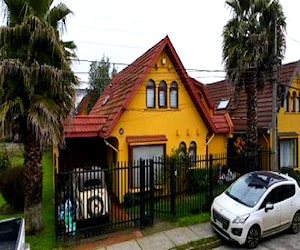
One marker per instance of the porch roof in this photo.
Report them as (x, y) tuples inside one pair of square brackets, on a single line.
[(145, 139), (83, 126)]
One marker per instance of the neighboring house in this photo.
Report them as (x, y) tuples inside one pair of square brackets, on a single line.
[(152, 108), (81, 107), (80, 94), (226, 100)]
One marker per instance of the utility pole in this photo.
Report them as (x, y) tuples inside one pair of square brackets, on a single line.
[(274, 162)]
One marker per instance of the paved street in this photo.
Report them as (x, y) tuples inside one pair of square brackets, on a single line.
[(277, 242)]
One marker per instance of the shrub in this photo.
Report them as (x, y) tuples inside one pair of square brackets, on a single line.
[(291, 172), (12, 186), (131, 199), (197, 180), (4, 160)]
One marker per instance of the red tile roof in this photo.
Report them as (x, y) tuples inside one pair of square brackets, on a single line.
[(204, 92), (83, 126), (145, 138), (237, 107), (223, 123), (125, 84), (123, 87)]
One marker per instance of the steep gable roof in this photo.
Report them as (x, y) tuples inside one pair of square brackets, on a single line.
[(237, 107), (123, 87), (118, 94)]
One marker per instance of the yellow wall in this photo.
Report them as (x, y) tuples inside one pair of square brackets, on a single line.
[(182, 124), (178, 125), (289, 121), (218, 144)]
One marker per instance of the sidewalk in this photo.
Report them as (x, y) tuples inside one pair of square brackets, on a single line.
[(164, 240)]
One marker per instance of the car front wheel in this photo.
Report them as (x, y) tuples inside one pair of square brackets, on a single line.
[(295, 226), (253, 236)]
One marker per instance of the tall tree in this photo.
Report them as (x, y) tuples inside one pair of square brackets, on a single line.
[(248, 54), (99, 76), (37, 88)]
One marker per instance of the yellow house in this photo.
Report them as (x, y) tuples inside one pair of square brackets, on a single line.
[(289, 119), (152, 108), (288, 115)]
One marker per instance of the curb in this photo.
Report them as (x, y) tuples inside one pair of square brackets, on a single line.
[(202, 244)]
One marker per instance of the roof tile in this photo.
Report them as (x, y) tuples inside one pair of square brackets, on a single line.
[(125, 84), (145, 138), (237, 107), (83, 126)]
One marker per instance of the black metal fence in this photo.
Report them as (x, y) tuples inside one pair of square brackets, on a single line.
[(95, 201)]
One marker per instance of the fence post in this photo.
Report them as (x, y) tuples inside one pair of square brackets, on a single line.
[(173, 187), (152, 189), (210, 179), (142, 193)]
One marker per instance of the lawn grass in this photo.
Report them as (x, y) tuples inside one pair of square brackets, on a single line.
[(193, 219), (46, 239), (14, 152), (202, 244)]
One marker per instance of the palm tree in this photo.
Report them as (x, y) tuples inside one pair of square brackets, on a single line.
[(248, 54), (37, 88)]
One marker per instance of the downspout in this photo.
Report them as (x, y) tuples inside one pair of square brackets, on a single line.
[(208, 167), (269, 147), (267, 141), (207, 142), (108, 144)]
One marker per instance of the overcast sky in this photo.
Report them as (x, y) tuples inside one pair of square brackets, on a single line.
[(124, 30)]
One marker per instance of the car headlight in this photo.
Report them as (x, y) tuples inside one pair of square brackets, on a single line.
[(241, 219)]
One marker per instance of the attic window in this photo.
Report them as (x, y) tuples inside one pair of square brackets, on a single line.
[(105, 100), (223, 104)]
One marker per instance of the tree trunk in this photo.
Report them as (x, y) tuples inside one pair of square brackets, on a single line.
[(251, 133), (33, 184)]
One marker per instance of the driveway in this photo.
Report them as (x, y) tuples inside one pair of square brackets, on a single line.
[(280, 241)]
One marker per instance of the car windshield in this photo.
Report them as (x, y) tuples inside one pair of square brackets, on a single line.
[(248, 189)]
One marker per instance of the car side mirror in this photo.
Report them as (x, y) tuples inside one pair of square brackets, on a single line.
[(269, 206)]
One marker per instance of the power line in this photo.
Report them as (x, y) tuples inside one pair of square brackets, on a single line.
[(128, 64), (293, 39), (109, 45)]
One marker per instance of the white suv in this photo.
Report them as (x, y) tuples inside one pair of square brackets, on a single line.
[(90, 193), (257, 205)]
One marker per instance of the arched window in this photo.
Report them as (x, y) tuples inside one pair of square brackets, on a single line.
[(293, 101), (192, 152), (182, 149), (174, 95), (162, 95), (287, 102), (150, 94)]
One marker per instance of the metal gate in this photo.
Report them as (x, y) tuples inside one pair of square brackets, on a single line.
[(96, 201)]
